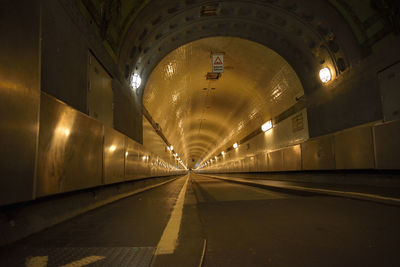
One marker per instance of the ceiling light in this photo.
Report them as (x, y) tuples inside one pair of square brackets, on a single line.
[(222, 153), (171, 148), (266, 126), (135, 81), (325, 75), (112, 148), (235, 145), (215, 157)]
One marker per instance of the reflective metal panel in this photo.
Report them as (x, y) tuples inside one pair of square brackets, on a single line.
[(132, 160), (354, 149), (252, 164), (262, 162), (70, 149), (292, 158), (19, 98), (143, 163), (387, 145), (114, 154), (317, 154), (275, 161)]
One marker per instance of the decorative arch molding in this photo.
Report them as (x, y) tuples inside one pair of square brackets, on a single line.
[(307, 34)]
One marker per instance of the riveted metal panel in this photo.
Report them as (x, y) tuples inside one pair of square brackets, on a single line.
[(317, 154), (292, 158), (275, 160), (114, 154), (132, 160), (354, 149), (70, 149), (387, 145), (19, 95)]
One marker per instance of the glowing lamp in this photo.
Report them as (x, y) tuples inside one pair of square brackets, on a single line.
[(325, 75)]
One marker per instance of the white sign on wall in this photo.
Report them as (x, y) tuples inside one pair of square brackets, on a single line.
[(217, 63)]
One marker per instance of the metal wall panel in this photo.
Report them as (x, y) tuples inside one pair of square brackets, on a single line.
[(70, 149), (387, 145), (132, 160), (390, 93), (100, 95), (354, 149), (317, 154), (292, 158), (262, 162), (64, 56), (19, 98), (275, 160), (252, 164), (114, 154)]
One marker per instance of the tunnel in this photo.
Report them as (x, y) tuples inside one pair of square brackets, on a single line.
[(199, 133)]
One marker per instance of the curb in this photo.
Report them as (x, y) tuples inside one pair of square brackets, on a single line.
[(319, 191)]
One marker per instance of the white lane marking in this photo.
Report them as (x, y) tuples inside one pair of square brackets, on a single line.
[(42, 261), (169, 238), (84, 261)]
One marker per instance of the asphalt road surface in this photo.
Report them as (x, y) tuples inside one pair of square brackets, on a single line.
[(198, 220)]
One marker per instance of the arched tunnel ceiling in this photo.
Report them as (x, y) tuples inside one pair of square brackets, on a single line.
[(308, 34), (200, 117)]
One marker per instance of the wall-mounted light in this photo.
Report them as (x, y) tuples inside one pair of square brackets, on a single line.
[(235, 145), (112, 148), (266, 126), (67, 132), (325, 75), (222, 153), (136, 81), (126, 154), (171, 148), (215, 157)]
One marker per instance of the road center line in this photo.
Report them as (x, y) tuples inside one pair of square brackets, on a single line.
[(169, 238)]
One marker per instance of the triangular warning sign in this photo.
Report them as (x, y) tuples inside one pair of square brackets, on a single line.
[(217, 61)]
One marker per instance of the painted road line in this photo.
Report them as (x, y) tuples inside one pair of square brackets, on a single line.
[(42, 261), (169, 238)]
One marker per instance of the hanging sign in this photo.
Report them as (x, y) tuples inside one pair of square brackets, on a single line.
[(217, 63)]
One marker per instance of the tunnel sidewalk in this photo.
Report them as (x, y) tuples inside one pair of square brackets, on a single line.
[(383, 190)]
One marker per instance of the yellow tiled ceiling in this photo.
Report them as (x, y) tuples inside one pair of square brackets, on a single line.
[(200, 121)]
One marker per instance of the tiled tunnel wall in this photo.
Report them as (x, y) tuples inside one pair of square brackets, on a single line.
[(369, 146)]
